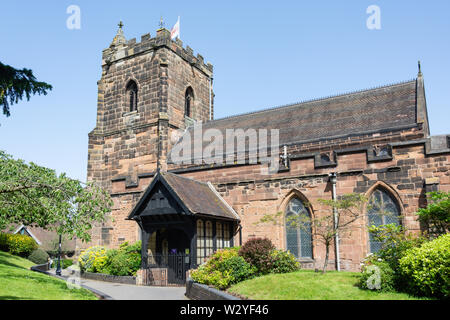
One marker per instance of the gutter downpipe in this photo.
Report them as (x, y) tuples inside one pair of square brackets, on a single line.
[(333, 179)]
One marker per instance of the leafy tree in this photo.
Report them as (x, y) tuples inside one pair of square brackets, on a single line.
[(37, 196), (348, 209), (436, 216), (14, 84)]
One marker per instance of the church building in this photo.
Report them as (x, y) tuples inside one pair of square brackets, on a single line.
[(374, 142)]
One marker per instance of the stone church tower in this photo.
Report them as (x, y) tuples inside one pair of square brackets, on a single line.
[(147, 90)]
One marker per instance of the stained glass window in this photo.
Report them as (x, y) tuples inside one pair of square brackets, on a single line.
[(298, 229), (383, 209)]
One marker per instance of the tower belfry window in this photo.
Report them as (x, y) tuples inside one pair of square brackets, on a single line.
[(188, 102), (132, 94)]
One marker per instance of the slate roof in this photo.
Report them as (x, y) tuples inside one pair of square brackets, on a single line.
[(198, 197), (373, 110)]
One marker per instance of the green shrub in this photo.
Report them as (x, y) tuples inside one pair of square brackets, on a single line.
[(124, 264), (17, 244), (4, 242), (93, 259), (376, 274), (66, 263), (436, 216), (131, 248), (38, 256), (426, 269), (223, 268), (256, 252), (283, 262), (110, 253), (395, 242), (124, 261)]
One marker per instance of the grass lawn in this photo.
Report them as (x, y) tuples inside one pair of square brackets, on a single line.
[(18, 282), (309, 285)]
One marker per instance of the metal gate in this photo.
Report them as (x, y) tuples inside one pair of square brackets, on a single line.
[(176, 264)]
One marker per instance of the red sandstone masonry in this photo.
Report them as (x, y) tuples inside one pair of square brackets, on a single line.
[(123, 152)]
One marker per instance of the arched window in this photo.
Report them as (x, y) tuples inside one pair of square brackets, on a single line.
[(132, 94), (383, 209), (298, 229), (188, 102)]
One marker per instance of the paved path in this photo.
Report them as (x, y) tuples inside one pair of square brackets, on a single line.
[(119, 291)]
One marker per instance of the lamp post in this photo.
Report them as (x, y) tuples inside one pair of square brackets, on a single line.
[(58, 265)]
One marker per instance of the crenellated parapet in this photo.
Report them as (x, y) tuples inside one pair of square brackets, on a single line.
[(121, 49)]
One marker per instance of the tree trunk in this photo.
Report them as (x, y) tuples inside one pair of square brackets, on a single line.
[(327, 247)]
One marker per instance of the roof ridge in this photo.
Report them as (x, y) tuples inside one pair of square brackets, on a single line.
[(315, 100)]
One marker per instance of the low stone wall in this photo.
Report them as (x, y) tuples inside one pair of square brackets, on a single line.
[(40, 267), (108, 278), (197, 291), (152, 277)]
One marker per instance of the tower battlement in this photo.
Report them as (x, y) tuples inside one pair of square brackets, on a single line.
[(121, 49)]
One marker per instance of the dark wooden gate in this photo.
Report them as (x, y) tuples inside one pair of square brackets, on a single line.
[(177, 264)]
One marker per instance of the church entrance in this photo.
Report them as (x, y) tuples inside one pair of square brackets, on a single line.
[(169, 249)]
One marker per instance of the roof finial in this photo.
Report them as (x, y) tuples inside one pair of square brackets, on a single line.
[(119, 38), (161, 23), (420, 69)]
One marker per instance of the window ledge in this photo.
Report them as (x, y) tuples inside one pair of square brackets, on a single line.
[(129, 113)]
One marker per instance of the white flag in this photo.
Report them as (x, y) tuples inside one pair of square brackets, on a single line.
[(175, 32)]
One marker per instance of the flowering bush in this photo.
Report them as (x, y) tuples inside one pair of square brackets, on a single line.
[(124, 261), (93, 259), (17, 244), (223, 268)]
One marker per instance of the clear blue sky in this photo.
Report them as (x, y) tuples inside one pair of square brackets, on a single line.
[(265, 53)]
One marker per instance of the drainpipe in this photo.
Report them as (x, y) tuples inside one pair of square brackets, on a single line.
[(240, 235), (333, 179)]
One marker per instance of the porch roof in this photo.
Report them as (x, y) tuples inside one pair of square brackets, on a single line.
[(195, 197)]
